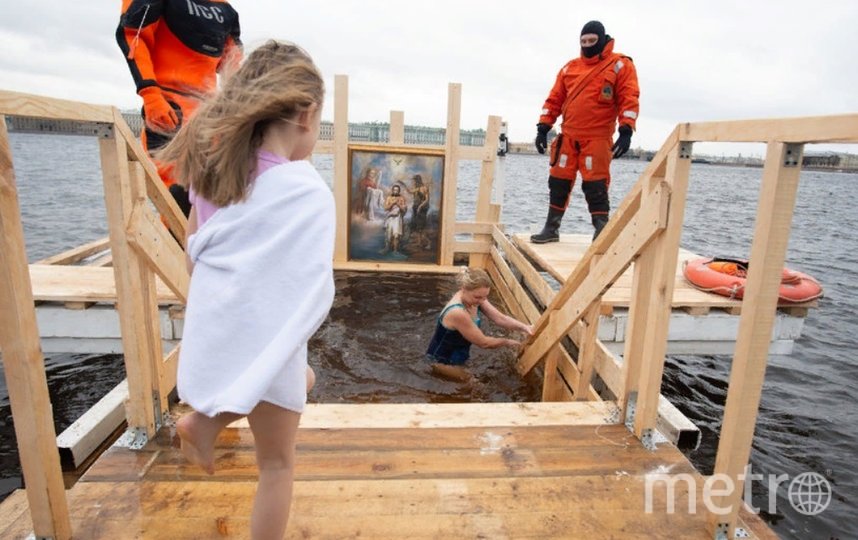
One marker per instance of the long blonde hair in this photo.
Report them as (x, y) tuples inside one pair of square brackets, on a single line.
[(214, 153)]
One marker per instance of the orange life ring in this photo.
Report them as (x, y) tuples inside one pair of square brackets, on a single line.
[(727, 278)]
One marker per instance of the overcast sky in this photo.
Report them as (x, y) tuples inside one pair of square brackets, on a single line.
[(696, 61)]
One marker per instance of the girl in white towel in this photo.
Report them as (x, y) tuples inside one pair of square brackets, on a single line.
[(260, 247)]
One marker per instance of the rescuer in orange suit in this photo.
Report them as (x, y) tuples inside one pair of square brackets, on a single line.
[(592, 93), (175, 49)]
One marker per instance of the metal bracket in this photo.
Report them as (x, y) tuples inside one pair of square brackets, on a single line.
[(792, 155), (31, 124), (738, 532), (156, 406), (685, 150), (133, 439), (630, 410)]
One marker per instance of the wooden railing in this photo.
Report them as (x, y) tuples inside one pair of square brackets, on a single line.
[(645, 230), (141, 248)]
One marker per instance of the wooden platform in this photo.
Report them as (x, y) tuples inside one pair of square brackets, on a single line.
[(700, 323), (496, 471), (560, 258)]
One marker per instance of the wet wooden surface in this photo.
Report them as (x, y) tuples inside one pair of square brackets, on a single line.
[(485, 481)]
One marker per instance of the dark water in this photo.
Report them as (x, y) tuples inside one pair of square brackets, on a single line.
[(369, 350)]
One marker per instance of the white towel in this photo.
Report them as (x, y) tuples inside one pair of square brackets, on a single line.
[(261, 287)]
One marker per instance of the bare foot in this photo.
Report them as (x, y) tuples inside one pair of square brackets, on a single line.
[(198, 433)]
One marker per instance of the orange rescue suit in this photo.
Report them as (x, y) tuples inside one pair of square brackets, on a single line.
[(609, 96), (177, 47)]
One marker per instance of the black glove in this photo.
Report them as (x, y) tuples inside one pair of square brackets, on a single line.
[(541, 141), (624, 141)]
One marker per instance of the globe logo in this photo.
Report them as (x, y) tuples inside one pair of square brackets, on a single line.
[(809, 493)]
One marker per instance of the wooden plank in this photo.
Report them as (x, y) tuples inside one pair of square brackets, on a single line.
[(486, 183), (341, 165), (168, 371), (619, 226), (550, 507), (587, 350), (365, 266), (397, 127), (78, 253), (472, 246), (155, 246), (586, 286), (106, 259), (20, 104), (476, 227), (535, 283), (83, 284), (810, 129), (15, 515), (451, 171), (432, 415), (155, 189), (768, 252), (490, 460), (553, 387), (636, 327), (132, 286), (23, 363), (659, 291), (531, 313)]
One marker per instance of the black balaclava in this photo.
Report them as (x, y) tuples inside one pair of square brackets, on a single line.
[(594, 27)]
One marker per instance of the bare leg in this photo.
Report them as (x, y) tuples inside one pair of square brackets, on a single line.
[(198, 433), (456, 373), (274, 430)]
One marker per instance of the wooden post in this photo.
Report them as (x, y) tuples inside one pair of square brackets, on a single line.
[(551, 382), (661, 265), (639, 312), (134, 288), (484, 194), (151, 330), (23, 364), (451, 170), (587, 350), (397, 127), (341, 165), (768, 251)]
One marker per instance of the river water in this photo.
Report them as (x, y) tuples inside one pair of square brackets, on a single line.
[(367, 350)]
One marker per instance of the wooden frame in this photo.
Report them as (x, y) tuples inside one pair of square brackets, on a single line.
[(644, 230), (380, 229)]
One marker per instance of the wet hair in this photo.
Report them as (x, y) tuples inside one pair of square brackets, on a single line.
[(473, 278), (214, 153)]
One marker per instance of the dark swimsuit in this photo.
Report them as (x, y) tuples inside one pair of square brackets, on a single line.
[(449, 346)]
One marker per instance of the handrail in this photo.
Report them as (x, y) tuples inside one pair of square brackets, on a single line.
[(654, 271), (140, 247)]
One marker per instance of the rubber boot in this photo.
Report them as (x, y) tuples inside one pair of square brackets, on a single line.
[(549, 233), (599, 222)]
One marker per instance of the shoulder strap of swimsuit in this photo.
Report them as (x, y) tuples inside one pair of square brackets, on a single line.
[(448, 308)]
